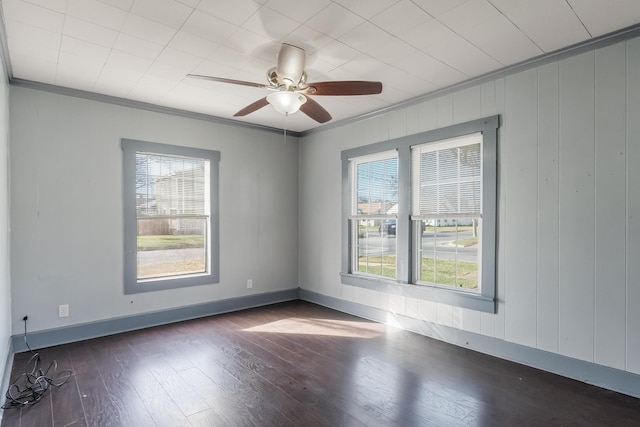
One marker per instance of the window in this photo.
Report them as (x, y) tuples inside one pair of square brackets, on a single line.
[(420, 215), (446, 183), (374, 205), (170, 216)]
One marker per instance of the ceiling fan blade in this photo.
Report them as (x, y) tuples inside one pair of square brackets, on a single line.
[(339, 88), (314, 110), (231, 81), (252, 107)]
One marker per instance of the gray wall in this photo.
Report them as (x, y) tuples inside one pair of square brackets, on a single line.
[(569, 206), (5, 284), (66, 208)]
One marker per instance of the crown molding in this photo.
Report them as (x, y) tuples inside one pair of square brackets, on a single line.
[(576, 49), (93, 96)]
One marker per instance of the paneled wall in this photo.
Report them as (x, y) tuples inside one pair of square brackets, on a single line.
[(66, 208), (569, 205)]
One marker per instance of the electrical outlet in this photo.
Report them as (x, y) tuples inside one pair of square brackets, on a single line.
[(249, 284), (63, 310)]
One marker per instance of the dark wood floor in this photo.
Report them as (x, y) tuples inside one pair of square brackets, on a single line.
[(299, 364)]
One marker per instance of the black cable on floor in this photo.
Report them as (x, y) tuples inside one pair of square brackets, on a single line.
[(24, 319), (31, 385)]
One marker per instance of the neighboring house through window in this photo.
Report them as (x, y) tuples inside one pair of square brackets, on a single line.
[(170, 216)]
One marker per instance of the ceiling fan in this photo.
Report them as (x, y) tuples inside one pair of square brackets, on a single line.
[(291, 92)]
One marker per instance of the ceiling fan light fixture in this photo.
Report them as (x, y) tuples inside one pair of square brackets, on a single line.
[(286, 102)]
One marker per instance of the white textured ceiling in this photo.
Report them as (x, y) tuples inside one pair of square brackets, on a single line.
[(142, 49)]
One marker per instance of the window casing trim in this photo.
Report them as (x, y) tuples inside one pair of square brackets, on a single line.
[(405, 233), (131, 283)]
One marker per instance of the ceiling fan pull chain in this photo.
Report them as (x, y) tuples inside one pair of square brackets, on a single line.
[(285, 127)]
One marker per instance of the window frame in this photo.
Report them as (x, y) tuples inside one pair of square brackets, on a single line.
[(406, 229), (131, 283)]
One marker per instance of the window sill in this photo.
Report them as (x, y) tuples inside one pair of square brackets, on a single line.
[(162, 283), (425, 292)]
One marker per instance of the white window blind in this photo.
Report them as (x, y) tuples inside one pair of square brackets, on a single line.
[(374, 185), (168, 186), (448, 177)]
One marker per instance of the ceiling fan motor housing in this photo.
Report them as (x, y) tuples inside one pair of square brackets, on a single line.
[(290, 65)]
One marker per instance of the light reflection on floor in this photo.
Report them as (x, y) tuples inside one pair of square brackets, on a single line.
[(327, 327), (407, 398)]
